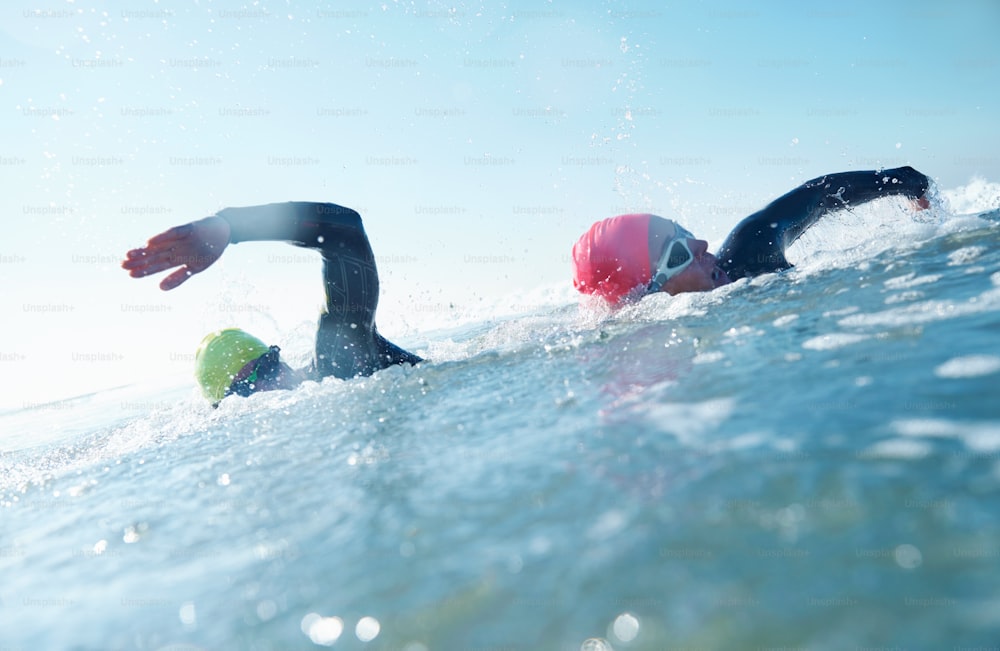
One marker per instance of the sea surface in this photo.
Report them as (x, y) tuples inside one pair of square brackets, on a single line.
[(808, 460)]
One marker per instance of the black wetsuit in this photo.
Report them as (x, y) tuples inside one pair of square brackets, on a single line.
[(757, 244), (347, 341)]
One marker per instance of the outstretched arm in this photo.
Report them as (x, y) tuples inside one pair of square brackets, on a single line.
[(757, 245), (196, 246)]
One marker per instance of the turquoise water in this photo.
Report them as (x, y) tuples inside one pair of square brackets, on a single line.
[(810, 460), (807, 461)]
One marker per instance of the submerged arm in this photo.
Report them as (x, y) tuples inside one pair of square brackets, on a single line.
[(757, 245)]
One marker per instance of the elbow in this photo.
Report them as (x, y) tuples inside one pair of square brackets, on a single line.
[(915, 183)]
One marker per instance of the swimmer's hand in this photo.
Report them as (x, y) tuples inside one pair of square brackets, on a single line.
[(193, 247)]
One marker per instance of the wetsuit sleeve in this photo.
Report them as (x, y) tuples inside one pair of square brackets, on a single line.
[(757, 245), (347, 342), (312, 225)]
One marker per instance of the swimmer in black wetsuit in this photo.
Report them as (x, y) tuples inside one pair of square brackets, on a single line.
[(629, 256), (347, 342)]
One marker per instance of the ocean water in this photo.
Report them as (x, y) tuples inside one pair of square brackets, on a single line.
[(808, 460)]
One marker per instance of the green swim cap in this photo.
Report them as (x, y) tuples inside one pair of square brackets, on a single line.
[(220, 357)]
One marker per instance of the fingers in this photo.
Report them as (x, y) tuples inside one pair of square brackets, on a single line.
[(175, 279), (135, 259), (143, 262), (158, 250), (135, 262), (140, 267), (170, 236)]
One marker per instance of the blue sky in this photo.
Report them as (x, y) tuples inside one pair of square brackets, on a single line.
[(477, 139)]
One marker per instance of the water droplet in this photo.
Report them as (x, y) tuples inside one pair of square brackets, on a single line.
[(131, 535), (908, 557), (367, 629), (324, 631), (188, 615), (626, 627)]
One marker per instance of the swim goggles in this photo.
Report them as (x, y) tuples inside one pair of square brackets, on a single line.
[(261, 374), (675, 258)]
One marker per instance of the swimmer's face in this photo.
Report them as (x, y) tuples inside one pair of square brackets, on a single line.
[(265, 373), (285, 378), (702, 275)]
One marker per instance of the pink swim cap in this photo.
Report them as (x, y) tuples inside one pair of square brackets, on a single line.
[(612, 258)]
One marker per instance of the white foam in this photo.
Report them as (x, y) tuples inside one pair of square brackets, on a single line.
[(965, 255), (968, 366), (664, 307), (165, 421), (834, 341), (904, 297), (849, 238), (911, 280), (897, 448), (689, 422), (851, 309), (782, 321), (979, 195), (978, 436), (740, 332), (924, 312)]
